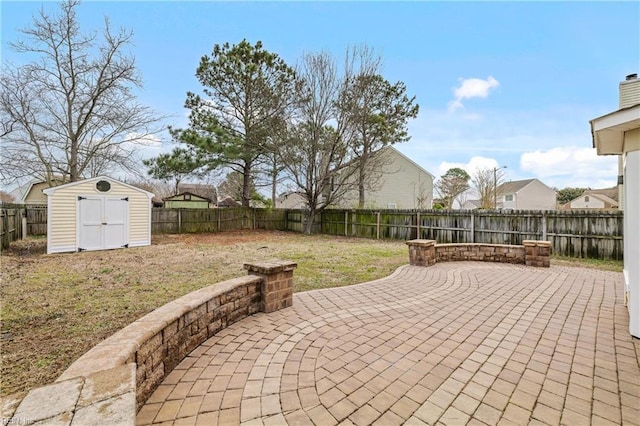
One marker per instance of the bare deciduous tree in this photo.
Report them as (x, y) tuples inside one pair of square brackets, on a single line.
[(316, 151), (71, 112), (486, 183)]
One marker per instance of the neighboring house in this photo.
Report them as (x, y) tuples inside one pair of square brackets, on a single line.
[(595, 199), (471, 205), (618, 133), (186, 200), (201, 190), (400, 184), (31, 192), (291, 200), (229, 202), (528, 194)]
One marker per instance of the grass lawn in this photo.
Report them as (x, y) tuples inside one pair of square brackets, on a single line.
[(56, 307)]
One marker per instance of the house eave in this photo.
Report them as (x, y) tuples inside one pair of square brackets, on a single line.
[(608, 131)]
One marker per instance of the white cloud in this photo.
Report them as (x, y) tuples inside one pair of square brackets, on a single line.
[(474, 164), (571, 166), (472, 88), (553, 144)]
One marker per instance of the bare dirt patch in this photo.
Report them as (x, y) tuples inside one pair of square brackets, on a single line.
[(56, 307)]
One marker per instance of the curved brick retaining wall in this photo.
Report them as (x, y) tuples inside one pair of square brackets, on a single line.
[(530, 253), (111, 381)]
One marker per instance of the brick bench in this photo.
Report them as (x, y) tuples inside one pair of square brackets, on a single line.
[(530, 253), (110, 382)]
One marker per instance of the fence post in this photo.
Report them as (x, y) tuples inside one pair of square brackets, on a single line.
[(24, 224), (418, 225), (3, 229), (179, 221), (354, 218), (377, 225), (346, 222), (544, 226), (473, 231)]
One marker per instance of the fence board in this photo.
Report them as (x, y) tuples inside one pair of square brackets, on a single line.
[(270, 219), (10, 225), (37, 220), (164, 221)]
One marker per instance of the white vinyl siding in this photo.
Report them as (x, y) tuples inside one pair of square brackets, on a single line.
[(35, 195), (534, 196), (629, 93), (401, 183), (590, 203)]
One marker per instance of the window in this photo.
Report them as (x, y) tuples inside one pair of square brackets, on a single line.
[(392, 206), (508, 197), (586, 198), (187, 197), (103, 186)]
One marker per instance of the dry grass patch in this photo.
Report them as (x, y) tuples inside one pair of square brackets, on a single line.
[(56, 307)]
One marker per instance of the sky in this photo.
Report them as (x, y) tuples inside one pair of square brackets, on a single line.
[(498, 83)]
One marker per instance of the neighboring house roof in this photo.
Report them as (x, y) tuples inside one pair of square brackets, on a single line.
[(611, 193), (513, 186), (228, 202), (291, 199), (202, 190), (608, 201), (472, 204), (20, 193), (181, 197)]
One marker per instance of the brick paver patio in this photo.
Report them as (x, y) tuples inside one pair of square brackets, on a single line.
[(455, 343)]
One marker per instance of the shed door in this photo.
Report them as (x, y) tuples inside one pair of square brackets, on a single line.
[(102, 223)]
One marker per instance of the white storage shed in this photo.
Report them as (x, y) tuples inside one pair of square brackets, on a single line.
[(97, 214)]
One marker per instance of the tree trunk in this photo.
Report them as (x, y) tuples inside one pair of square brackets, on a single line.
[(308, 225), (246, 185), (274, 181), (361, 179), (73, 161)]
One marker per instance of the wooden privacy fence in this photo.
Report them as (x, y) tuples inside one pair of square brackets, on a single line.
[(178, 221), (37, 220), (215, 220), (15, 216), (586, 234), (10, 225)]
